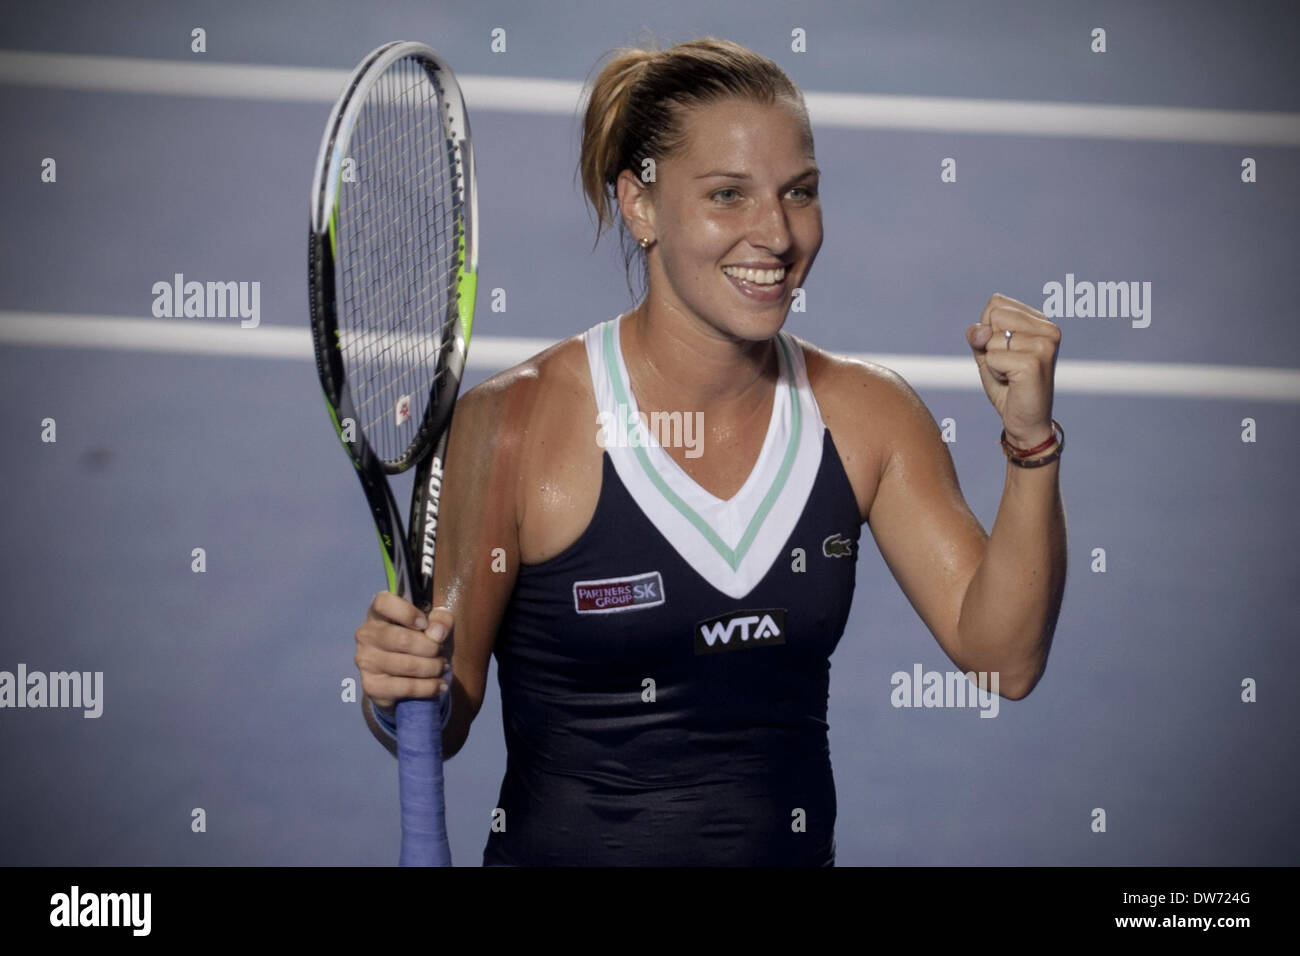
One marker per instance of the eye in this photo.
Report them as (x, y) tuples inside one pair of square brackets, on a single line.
[(727, 195), (804, 193)]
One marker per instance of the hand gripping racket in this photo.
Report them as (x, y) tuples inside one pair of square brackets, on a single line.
[(392, 270)]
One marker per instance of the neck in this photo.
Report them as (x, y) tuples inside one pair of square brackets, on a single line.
[(675, 360)]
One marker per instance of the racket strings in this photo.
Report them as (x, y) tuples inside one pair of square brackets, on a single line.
[(398, 231), (398, 352)]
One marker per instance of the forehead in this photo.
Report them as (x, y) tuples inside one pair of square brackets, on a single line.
[(739, 131)]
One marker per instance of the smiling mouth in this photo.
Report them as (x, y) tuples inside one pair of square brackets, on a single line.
[(756, 276)]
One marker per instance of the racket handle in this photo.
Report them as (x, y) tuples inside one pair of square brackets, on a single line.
[(419, 769)]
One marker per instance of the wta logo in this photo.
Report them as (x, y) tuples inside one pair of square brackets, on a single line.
[(740, 629)]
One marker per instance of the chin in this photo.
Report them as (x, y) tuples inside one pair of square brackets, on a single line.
[(755, 326)]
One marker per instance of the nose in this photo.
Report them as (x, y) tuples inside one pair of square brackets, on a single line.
[(770, 227)]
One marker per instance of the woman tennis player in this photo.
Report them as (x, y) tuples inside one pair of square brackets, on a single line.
[(663, 615)]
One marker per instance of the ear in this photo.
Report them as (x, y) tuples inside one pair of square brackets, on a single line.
[(636, 205)]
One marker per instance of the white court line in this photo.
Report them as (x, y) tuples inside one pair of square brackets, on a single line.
[(194, 337), (491, 353), (545, 96)]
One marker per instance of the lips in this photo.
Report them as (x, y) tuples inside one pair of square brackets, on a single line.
[(764, 287), (757, 276)]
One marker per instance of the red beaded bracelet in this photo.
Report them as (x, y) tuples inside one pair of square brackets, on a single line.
[(1021, 457), (1026, 452)]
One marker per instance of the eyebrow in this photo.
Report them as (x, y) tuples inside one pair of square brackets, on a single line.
[(724, 174)]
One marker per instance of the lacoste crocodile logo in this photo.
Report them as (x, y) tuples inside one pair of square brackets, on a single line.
[(837, 546)]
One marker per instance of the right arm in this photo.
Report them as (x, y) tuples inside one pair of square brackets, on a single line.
[(478, 515)]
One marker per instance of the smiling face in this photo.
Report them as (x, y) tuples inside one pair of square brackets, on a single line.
[(735, 217)]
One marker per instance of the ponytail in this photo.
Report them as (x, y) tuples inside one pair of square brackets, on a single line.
[(604, 131)]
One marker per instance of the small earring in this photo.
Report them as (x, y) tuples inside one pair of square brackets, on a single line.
[(645, 242)]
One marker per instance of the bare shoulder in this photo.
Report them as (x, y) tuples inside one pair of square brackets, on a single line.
[(870, 410), (514, 403), (842, 372), (537, 423)]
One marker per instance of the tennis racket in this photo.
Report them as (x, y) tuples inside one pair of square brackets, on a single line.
[(392, 272)]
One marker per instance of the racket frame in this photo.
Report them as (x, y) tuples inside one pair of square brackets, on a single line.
[(408, 557)]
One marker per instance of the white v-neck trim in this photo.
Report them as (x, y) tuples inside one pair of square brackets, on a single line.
[(733, 542), (666, 463)]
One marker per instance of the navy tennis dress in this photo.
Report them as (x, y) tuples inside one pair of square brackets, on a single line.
[(664, 679)]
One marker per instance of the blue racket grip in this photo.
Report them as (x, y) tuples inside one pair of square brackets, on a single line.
[(419, 771)]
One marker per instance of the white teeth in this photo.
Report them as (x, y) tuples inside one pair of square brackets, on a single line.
[(756, 276)]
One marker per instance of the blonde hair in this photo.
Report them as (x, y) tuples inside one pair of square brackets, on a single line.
[(636, 107)]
